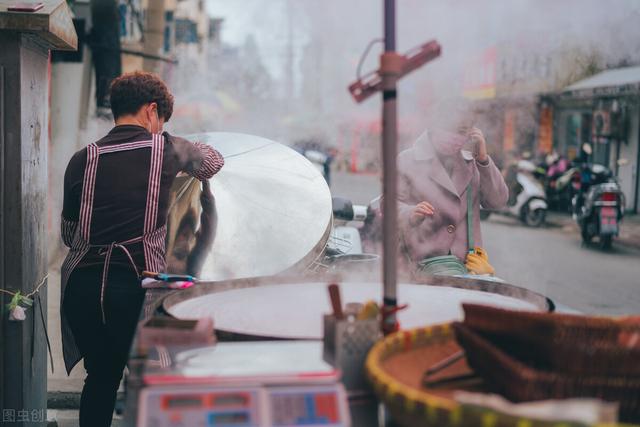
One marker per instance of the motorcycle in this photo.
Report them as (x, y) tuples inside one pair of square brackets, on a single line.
[(599, 205), (560, 187), (557, 176), (527, 200)]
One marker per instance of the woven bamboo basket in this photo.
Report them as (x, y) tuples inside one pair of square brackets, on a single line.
[(520, 382), (565, 343), (395, 367)]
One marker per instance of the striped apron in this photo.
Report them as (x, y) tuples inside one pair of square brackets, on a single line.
[(152, 239)]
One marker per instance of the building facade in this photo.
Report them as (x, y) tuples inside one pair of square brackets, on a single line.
[(603, 111)]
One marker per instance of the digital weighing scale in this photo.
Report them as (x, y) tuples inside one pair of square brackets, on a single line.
[(248, 384)]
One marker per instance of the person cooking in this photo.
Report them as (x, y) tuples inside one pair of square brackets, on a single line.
[(116, 197), (440, 190)]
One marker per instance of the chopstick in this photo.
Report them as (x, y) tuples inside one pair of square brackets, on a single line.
[(450, 381), (444, 363), (336, 302), (454, 381)]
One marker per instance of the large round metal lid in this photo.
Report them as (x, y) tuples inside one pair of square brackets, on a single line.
[(295, 310), (272, 209)]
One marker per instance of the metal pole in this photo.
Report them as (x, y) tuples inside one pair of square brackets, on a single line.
[(390, 26), (2, 221), (289, 58), (389, 171), (636, 205)]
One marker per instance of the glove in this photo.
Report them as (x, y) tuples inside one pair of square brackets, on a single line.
[(478, 262)]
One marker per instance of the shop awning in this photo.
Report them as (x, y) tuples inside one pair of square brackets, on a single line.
[(618, 81)]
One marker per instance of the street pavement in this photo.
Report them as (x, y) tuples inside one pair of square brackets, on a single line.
[(553, 261), (359, 188)]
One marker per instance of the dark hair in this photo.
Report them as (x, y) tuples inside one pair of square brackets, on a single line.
[(129, 92)]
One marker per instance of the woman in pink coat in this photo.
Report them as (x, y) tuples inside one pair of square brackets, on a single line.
[(432, 193)]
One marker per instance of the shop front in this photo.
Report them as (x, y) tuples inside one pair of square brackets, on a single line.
[(604, 112)]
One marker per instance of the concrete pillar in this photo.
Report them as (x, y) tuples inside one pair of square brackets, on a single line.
[(24, 197), (25, 40)]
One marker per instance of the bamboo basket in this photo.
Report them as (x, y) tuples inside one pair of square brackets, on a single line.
[(520, 382), (566, 343), (395, 366)]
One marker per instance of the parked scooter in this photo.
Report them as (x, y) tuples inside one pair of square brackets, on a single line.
[(562, 189), (318, 154), (558, 181), (345, 249), (527, 200), (599, 205)]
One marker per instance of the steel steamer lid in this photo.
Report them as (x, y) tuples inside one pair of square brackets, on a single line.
[(272, 212)]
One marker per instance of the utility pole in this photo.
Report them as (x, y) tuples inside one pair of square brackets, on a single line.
[(289, 60), (393, 66), (390, 68)]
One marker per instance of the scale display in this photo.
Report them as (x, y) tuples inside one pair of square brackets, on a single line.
[(297, 407), (246, 384), (206, 406)]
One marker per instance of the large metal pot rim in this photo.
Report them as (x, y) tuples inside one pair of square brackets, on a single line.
[(501, 288)]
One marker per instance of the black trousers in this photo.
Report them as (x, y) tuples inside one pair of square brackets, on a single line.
[(104, 346)]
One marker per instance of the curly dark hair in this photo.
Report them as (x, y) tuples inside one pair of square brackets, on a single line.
[(129, 92)]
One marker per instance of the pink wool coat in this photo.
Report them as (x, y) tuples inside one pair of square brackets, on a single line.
[(423, 178)]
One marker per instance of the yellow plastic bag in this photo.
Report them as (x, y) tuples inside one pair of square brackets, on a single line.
[(478, 262)]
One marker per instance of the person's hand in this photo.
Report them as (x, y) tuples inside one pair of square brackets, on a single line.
[(477, 137), (420, 211), (206, 197)]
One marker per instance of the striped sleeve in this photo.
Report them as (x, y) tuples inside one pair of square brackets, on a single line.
[(68, 230), (212, 162)]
